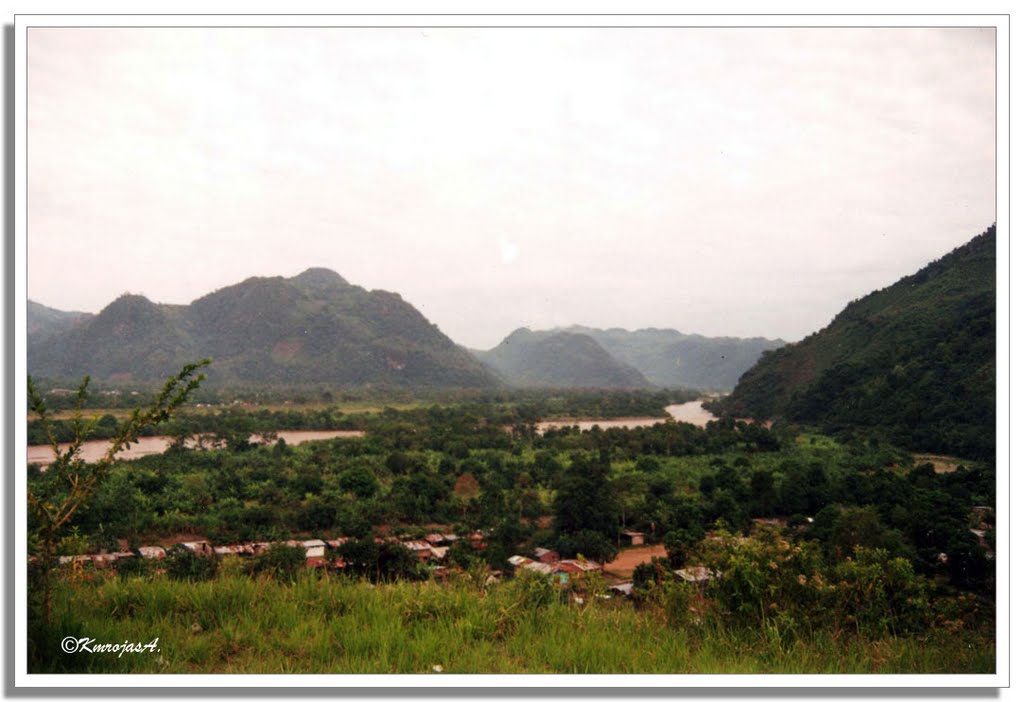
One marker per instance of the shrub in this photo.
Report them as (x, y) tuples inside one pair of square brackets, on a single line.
[(183, 564), (129, 567), (281, 561)]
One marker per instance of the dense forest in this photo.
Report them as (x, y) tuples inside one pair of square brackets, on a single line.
[(915, 361)]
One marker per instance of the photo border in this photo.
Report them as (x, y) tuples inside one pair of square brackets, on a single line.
[(377, 21)]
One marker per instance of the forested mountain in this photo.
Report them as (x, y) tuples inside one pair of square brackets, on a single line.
[(915, 360), (668, 358), (314, 328), (558, 359), (43, 321)]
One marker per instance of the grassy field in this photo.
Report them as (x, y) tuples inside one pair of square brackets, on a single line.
[(320, 624)]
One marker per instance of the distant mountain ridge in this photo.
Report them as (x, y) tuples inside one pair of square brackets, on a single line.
[(43, 321), (558, 359), (669, 358), (580, 356), (312, 328), (915, 360)]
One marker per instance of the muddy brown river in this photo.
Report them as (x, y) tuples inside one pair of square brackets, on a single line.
[(148, 445), (688, 412)]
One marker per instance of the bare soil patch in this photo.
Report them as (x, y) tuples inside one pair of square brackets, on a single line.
[(629, 558), (943, 464)]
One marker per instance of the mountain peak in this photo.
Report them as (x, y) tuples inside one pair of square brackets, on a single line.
[(319, 278)]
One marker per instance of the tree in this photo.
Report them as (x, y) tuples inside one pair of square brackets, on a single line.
[(71, 482), (585, 499)]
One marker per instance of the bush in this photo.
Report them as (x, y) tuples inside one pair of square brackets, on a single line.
[(183, 564), (281, 561), (133, 567)]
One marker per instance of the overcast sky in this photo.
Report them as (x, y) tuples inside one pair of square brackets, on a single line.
[(744, 182)]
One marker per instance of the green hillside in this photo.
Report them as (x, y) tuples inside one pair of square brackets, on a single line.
[(313, 328), (558, 359), (915, 360)]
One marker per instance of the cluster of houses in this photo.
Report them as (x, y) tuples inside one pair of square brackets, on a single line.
[(431, 549), (548, 562)]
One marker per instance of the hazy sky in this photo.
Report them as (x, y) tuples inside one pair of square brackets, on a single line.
[(744, 182)]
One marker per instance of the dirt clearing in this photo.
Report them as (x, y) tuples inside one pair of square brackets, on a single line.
[(629, 558)]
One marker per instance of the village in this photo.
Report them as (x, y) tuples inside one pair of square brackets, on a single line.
[(431, 551)]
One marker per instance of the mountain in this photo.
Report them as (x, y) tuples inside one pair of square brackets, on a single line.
[(915, 360), (315, 328), (668, 358), (43, 321), (558, 359)]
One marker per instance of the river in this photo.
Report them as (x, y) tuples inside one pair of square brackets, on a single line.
[(688, 412), (149, 445)]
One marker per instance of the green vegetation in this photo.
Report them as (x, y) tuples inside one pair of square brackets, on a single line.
[(56, 497), (469, 468), (330, 624), (312, 329), (915, 362)]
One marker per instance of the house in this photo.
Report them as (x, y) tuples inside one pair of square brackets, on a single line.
[(151, 552), (314, 548), (420, 549), (622, 589), (696, 574), (635, 538), (536, 567), (200, 548), (518, 562), (577, 566), (545, 555)]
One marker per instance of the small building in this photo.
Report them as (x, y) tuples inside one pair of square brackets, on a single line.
[(545, 555), (420, 549), (200, 548), (151, 552), (314, 548), (536, 567), (519, 561), (696, 574), (622, 589), (577, 566), (635, 538)]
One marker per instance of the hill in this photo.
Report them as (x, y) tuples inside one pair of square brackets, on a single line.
[(315, 328), (668, 358), (558, 359), (915, 360), (43, 321)]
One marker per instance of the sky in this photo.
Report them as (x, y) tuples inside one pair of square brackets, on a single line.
[(725, 182)]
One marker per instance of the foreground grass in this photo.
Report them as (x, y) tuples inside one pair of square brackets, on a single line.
[(236, 624)]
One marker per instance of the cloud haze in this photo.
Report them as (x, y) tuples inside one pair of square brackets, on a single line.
[(726, 182)]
